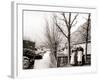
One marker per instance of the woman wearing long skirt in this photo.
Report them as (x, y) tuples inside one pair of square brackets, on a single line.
[(73, 57), (80, 56)]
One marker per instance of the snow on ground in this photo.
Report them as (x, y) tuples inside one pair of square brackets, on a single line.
[(45, 62)]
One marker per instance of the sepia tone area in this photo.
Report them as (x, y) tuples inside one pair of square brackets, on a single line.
[(56, 39)]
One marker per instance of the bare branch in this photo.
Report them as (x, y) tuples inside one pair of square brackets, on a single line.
[(59, 18), (65, 19), (61, 31), (48, 34), (74, 24), (69, 21), (74, 19)]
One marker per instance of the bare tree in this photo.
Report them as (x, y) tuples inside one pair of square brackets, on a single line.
[(53, 37), (69, 22)]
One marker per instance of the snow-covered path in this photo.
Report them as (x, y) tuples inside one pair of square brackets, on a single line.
[(45, 62)]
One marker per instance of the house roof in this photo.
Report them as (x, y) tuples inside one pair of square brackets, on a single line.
[(79, 36)]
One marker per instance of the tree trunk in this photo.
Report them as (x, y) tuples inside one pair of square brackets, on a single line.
[(87, 30), (69, 48), (55, 52), (86, 48)]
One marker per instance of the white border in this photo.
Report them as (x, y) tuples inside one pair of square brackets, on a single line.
[(17, 70)]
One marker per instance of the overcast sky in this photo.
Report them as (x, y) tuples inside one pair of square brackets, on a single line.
[(34, 24)]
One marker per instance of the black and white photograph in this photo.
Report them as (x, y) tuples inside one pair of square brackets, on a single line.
[(56, 39)]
